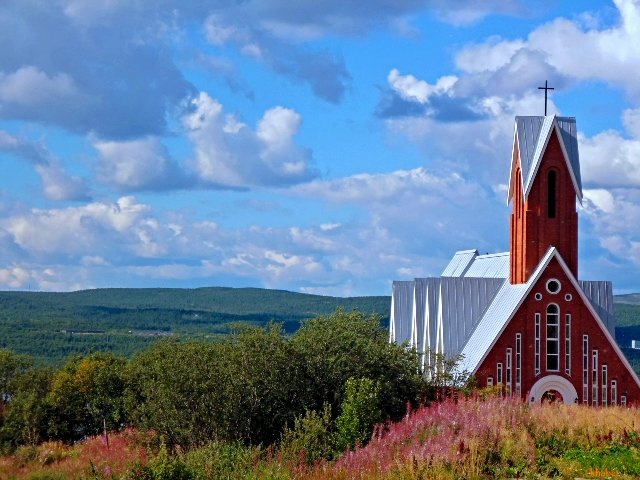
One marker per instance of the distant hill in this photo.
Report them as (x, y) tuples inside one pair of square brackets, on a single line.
[(52, 326)]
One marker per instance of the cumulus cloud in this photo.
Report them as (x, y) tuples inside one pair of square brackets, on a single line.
[(136, 165), (229, 153), (564, 51), (56, 183)]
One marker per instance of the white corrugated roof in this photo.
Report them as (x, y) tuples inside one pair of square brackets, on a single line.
[(459, 263), (495, 265)]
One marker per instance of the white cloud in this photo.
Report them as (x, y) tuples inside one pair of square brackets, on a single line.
[(142, 164), (410, 87), (75, 230), (579, 51), (56, 183), (229, 153), (30, 86)]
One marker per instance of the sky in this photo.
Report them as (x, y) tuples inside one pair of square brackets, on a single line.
[(325, 146)]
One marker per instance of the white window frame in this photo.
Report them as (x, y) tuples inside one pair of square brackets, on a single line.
[(585, 369), (499, 373), (594, 377), (552, 321), (567, 344), (518, 364), (614, 392), (605, 383), (508, 371), (537, 345)]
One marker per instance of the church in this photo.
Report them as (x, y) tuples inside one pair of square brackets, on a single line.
[(521, 319)]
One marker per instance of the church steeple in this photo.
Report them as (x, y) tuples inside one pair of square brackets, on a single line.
[(544, 184)]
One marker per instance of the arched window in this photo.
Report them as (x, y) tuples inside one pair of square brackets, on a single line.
[(553, 337), (551, 193)]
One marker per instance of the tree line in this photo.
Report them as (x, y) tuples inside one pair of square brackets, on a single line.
[(326, 385)]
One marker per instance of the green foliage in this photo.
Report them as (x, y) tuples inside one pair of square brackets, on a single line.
[(311, 438), (360, 411), (230, 461), (86, 396), (180, 391), (53, 326), (347, 345), (26, 419), (444, 375)]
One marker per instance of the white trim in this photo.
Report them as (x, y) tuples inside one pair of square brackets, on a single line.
[(553, 382), (537, 273)]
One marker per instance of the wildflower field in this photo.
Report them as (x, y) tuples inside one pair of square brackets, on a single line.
[(466, 439)]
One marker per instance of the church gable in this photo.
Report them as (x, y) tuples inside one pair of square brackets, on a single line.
[(556, 334)]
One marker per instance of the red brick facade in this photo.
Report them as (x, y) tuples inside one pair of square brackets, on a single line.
[(525, 339), (534, 228), (554, 336)]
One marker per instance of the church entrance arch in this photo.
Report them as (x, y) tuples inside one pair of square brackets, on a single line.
[(553, 388)]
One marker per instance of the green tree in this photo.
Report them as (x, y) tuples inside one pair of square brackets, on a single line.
[(86, 395), (347, 345), (180, 390), (28, 412), (360, 412)]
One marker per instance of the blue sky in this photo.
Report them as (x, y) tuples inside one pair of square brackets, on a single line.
[(325, 146)]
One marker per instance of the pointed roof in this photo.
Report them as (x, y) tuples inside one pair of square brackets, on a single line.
[(506, 304), (531, 138)]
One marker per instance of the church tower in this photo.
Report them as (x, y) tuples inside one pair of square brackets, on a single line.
[(543, 187)]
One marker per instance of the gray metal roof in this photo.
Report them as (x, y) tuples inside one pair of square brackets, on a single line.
[(425, 313), (493, 321), (600, 295), (463, 302), (531, 138), (459, 263), (495, 265)]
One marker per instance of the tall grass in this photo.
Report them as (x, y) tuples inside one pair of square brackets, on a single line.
[(466, 439)]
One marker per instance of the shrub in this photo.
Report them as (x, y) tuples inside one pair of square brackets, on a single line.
[(310, 439), (360, 411)]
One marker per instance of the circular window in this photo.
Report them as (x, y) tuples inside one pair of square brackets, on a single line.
[(538, 296), (568, 297), (553, 286)]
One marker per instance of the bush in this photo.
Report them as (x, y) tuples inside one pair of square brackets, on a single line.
[(360, 412), (310, 440)]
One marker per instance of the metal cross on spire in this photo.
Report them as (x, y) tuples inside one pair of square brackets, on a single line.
[(545, 88)]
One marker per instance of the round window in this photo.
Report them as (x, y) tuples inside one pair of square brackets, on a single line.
[(553, 286), (538, 296), (568, 297)]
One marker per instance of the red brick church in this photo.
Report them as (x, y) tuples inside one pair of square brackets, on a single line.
[(522, 319)]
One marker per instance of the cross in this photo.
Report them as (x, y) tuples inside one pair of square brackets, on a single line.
[(545, 88)]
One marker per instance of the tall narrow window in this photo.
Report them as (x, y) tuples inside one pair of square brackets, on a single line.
[(551, 194), (594, 378), (553, 330), (518, 363), (585, 369), (499, 373), (537, 345), (614, 392), (508, 372), (604, 385), (567, 344)]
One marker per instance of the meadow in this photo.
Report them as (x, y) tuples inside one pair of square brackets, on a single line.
[(481, 437)]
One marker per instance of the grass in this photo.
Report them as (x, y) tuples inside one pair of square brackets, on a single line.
[(466, 439)]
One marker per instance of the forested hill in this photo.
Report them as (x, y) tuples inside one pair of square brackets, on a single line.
[(52, 326)]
